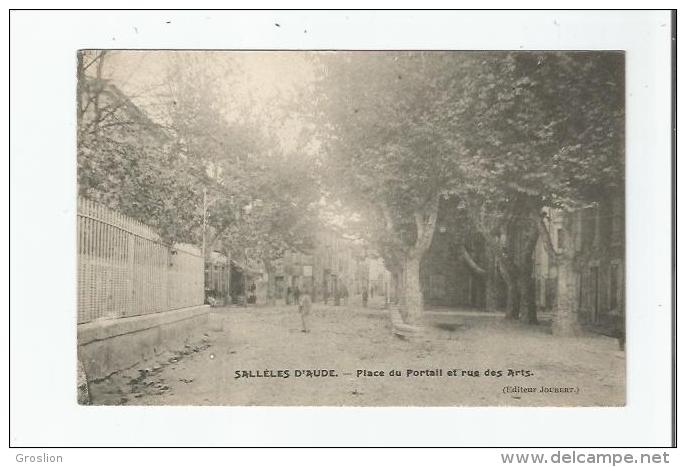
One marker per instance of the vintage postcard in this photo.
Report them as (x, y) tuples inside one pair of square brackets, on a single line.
[(351, 228)]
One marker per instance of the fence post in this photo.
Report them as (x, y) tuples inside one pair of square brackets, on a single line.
[(130, 272)]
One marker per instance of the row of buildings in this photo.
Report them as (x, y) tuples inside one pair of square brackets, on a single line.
[(338, 266)]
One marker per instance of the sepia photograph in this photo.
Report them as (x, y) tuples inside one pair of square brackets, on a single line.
[(404, 229), (397, 228)]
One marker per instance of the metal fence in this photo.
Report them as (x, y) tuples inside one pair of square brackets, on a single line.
[(124, 269)]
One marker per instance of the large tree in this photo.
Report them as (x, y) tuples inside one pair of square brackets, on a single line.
[(554, 138), (126, 160), (259, 179), (505, 133), (396, 147), (207, 169)]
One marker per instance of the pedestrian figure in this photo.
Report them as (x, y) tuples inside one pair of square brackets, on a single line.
[(296, 295), (344, 294), (289, 292), (364, 297), (305, 307)]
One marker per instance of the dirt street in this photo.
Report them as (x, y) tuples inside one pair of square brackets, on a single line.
[(468, 359)]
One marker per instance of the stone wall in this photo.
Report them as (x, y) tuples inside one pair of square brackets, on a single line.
[(109, 346)]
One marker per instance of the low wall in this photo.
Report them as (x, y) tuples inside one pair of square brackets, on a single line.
[(108, 346)]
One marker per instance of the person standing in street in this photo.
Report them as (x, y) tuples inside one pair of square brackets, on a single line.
[(344, 294), (305, 308), (365, 296)]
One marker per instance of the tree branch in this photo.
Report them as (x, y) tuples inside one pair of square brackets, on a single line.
[(100, 55), (471, 263), (506, 267), (544, 233), (419, 222), (425, 230)]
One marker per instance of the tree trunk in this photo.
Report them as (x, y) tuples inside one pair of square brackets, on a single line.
[(99, 84), (490, 280), (512, 300), (414, 302), (394, 289), (498, 265), (401, 293), (516, 297), (80, 82), (565, 322), (491, 293), (527, 298), (527, 291), (271, 282), (526, 287), (227, 295)]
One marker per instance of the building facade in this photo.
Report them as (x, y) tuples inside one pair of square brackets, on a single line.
[(596, 233), (337, 266)]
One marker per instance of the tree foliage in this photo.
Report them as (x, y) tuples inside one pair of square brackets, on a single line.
[(204, 168), (476, 142), (505, 133), (127, 161)]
